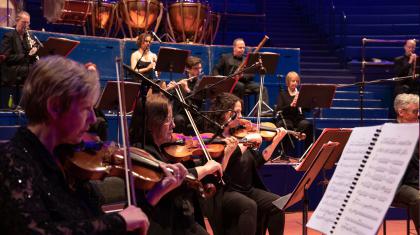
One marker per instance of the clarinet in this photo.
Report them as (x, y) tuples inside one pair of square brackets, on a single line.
[(31, 43)]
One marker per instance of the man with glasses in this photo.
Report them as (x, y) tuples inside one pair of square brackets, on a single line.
[(19, 57), (407, 108)]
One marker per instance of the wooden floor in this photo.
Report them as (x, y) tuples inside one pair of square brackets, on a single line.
[(294, 226)]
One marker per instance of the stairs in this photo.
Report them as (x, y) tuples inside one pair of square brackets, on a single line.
[(287, 28)]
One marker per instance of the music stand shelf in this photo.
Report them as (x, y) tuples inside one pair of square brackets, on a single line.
[(58, 46), (301, 190), (315, 96)]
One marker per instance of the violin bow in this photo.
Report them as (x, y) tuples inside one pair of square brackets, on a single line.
[(131, 194), (194, 126)]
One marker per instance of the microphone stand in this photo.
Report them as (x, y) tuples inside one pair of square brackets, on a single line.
[(362, 85)]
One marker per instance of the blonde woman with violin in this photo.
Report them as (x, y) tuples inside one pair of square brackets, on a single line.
[(288, 115), (244, 206), (36, 196), (175, 212)]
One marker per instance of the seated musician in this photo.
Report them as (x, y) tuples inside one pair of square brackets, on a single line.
[(288, 115), (244, 195), (35, 194), (193, 70), (407, 108), (143, 60), (175, 212), (228, 64)]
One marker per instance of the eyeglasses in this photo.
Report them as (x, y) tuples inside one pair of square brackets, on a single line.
[(413, 111), (169, 121)]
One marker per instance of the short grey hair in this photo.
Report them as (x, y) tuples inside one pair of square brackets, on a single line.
[(237, 40), (20, 14), (403, 100)]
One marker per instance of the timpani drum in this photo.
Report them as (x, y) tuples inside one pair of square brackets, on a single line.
[(187, 19), (140, 14), (104, 13), (74, 12)]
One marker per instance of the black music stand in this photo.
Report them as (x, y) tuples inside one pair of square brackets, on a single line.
[(328, 134), (171, 60), (269, 65), (315, 96), (206, 85), (109, 96), (301, 190), (58, 46)]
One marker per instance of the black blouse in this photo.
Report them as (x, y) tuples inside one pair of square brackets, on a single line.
[(283, 103), (35, 197)]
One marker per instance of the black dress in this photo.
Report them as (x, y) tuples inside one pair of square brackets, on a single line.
[(244, 205), (291, 118), (175, 212), (35, 197)]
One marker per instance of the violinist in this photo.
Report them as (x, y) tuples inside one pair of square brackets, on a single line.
[(143, 60), (244, 197), (35, 195), (175, 212), (288, 115)]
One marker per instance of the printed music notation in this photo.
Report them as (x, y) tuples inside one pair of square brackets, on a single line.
[(365, 180)]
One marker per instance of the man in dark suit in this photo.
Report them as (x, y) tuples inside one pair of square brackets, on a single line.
[(403, 66), (19, 57), (228, 64)]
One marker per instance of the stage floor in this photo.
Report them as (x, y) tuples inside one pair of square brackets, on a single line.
[(294, 226)]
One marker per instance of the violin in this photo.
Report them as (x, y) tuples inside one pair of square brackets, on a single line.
[(95, 161), (182, 147), (267, 130)]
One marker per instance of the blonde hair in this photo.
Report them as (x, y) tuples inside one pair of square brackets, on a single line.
[(403, 100), (55, 76), (291, 75)]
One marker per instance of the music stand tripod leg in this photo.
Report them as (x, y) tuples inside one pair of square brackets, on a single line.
[(260, 101)]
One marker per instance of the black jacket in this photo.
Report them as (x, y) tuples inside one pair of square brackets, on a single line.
[(15, 68), (228, 64)]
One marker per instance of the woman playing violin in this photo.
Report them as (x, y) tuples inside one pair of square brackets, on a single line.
[(244, 196), (35, 197), (288, 115), (174, 213)]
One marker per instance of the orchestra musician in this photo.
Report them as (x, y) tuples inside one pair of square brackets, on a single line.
[(228, 64), (405, 66), (20, 50), (143, 60), (288, 115), (244, 206), (193, 71), (36, 196), (407, 108), (174, 213)]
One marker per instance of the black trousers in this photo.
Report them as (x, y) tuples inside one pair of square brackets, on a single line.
[(251, 86), (410, 197), (246, 213)]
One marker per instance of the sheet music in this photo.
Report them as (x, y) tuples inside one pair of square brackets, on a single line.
[(328, 208), (356, 202)]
